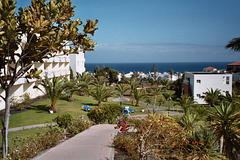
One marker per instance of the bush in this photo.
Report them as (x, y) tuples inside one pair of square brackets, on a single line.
[(163, 138), (43, 141), (105, 113), (64, 120), (78, 126)]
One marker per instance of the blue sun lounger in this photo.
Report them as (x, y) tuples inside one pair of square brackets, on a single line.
[(131, 110), (86, 108)]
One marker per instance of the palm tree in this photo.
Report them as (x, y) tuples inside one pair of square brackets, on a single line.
[(155, 93), (101, 93), (133, 85), (166, 83), (188, 121), (72, 86), (171, 72), (122, 88), (234, 44), (100, 81), (87, 80), (212, 96), (168, 96), (138, 94), (148, 101), (225, 125), (185, 102), (53, 90)]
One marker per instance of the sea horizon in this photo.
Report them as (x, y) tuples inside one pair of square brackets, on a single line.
[(146, 67)]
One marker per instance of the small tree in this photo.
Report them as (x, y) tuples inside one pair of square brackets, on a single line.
[(41, 30), (138, 94), (53, 90)]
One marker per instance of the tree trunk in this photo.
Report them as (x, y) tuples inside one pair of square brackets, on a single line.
[(54, 108), (5, 124), (70, 98)]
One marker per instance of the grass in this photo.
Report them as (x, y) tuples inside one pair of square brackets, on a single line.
[(19, 138)]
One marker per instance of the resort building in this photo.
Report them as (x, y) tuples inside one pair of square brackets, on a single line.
[(52, 67), (233, 67), (196, 83), (209, 69)]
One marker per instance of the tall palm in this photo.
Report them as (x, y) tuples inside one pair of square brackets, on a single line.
[(185, 102), (226, 124), (234, 44), (168, 96), (87, 80), (72, 86), (122, 88), (166, 83), (171, 72), (212, 96), (138, 94), (133, 85), (155, 93), (53, 90), (147, 101), (101, 93), (100, 81)]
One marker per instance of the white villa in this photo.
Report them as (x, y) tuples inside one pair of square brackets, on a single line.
[(196, 83), (56, 66)]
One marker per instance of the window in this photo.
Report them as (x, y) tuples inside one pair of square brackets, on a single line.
[(227, 80), (199, 95), (198, 81)]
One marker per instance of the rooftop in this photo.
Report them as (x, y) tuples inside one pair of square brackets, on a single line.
[(210, 68), (234, 64)]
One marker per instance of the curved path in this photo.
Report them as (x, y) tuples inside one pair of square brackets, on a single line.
[(94, 143)]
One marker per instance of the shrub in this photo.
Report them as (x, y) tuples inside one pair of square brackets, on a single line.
[(106, 112), (64, 120), (163, 138), (78, 126), (43, 141)]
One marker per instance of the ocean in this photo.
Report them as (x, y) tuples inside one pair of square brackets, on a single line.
[(162, 67)]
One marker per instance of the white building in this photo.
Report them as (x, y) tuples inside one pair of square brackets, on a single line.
[(53, 67), (196, 83)]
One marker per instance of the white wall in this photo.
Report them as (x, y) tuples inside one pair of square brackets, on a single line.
[(208, 81), (77, 62)]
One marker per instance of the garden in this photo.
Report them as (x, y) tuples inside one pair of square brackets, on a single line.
[(196, 132)]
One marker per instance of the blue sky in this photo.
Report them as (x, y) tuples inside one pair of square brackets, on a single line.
[(160, 30)]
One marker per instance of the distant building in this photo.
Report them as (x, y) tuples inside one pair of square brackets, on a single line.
[(233, 67), (196, 83), (52, 67), (210, 69)]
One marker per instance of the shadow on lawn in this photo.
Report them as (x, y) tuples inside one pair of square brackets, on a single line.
[(40, 108), (89, 104)]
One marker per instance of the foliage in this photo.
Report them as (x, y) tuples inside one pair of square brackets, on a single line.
[(185, 102), (234, 44), (226, 118), (163, 138), (21, 102), (72, 86), (106, 112), (40, 30), (63, 121), (43, 141), (134, 84), (78, 126), (122, 88), (86, 80), (138, 94), (101, 93), (212, 96), (107, 72), (53, 90)]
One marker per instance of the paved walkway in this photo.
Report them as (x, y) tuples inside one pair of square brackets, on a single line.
[(94, 143)]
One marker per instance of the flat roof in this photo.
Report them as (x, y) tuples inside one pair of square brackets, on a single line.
[(207, 73)]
